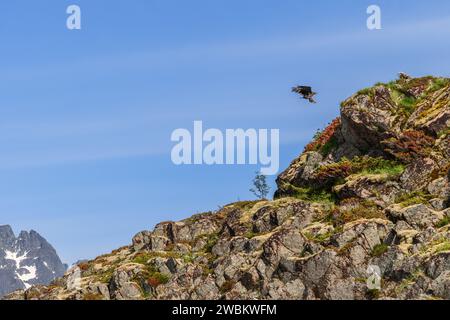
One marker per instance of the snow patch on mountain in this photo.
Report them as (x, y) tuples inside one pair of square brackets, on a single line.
[(15, 257), (30, 273)]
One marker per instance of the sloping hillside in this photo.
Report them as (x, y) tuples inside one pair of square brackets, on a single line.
[(371, 191)]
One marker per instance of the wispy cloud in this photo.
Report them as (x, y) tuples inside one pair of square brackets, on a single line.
[(70, 157), (201, 53)]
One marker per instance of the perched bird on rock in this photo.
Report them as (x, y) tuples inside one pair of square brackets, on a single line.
[(306, 93), (404, 76)]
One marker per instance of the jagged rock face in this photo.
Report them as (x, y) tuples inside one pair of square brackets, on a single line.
[(26, 261), (406, 121), (371, 191)]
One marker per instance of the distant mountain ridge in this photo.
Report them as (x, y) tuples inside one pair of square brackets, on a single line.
[(26, 260)]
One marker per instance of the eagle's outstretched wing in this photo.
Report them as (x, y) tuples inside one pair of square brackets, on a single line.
[(306, 93), (302, 90)]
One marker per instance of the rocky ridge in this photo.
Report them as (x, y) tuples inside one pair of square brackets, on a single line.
[(26, 260), (372, 189)]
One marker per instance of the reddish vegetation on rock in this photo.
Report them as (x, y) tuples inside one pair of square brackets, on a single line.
[(410, 145), (325, 136)]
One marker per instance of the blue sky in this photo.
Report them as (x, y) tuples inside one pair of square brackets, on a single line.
[(86, 116)]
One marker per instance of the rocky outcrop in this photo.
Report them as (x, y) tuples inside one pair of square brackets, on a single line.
[(368, 199)]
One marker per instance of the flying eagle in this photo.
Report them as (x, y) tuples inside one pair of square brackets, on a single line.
[(305, 92)]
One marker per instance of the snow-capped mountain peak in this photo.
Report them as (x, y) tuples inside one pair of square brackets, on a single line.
[(26, 261)]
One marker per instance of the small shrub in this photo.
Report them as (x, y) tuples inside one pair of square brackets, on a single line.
[(389, 168), (211, 242), (330, 175), (403, 95), (329, 146), (227, 286), (101, 261), (106, 276), (409, 146), (320, 238), (84, 266), (393, 86), (379, 249), (373, 294), (310, 194), (438, 84), (188, 258), (408, 105), (151, 276), (444, 245), (441, 172), (412, 198), (443, 133), (325, 141), (207, 270), (142, 258), (244, 205), (367, 91), (440, 245), (365, 210), (250, 235), (156, 279), (408, 281), (345, 249), (444, 222)]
